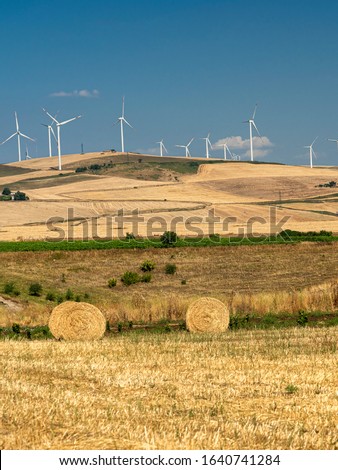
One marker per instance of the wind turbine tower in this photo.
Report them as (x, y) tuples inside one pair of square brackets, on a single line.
[(19, 134), (50, 131), (122, 120), (252, 124), (58, 127), (186, 147), (226, 150), (162, 147), (207, 145), (311, 151)]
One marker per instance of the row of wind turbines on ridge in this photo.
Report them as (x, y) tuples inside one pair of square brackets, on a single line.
[(122, 120)]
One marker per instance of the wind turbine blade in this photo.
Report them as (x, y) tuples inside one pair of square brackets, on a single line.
[(253, 123), (314, 140), (45, 125), (69, 120), (125, 120), (209, 143), (123, 107), (50, 115), (16, 121), (254, 113), (26, 136), (190, 142), (52, 131), (9, 138), (114, 123), (333, 140), (164, 147), (182, 146)]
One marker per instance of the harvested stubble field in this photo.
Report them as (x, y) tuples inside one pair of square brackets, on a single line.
[(237, 390)]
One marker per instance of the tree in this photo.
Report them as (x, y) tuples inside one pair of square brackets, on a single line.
[(19, 196), (6, 192), (169, 238)]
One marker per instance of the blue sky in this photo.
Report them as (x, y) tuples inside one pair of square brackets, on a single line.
[(186, 68)]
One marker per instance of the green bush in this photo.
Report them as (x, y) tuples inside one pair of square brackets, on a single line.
[(170, 268), (130, 277), (146, 277), (16, 328), (20, 196), (112, 282), (183, 282), (69, 295), (9, 288), (302, 319), (59, 299), (50, 296), (147, 266), (77, 298), (6, 192), (130, 236), (35, 289), (169, 238)]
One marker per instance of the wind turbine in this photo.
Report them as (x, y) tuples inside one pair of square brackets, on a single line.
[(334, 140), (207, 144), (50, 131), (19, 134), (186, 147), (312, 152), (162, 147), (251, 123), (27, 154), (225, 150), (122, 120), (58, 126)]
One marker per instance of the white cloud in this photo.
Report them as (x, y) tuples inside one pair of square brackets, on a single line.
[(149, 151), (262, 146), (77, 93)]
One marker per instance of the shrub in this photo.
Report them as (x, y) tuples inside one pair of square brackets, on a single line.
[(16, 292), (183, 282), (130, 236), (146, 277), (59, 299), (169, 238), (77, 298), (69, 295), (290, 389), (81, 169), (302, 319), (9, 288), (50, 296), (147, 266), (35, 289), (16, 328), (170, 268), (112, 282), (86, 296), (6, 192), (20, 196), (130, 277)]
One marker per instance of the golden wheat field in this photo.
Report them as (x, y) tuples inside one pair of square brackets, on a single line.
[(240, 192), (237, 390)]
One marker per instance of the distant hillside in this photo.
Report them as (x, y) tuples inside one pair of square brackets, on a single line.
[(8, 170)]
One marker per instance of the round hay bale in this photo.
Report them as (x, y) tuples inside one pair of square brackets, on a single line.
[(77, 321), (207, 315)]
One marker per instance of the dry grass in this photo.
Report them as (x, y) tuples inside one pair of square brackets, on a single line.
[(237, 390), (250, 279)]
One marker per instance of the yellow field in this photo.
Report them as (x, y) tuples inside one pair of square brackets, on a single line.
[(238, 390), (231, 189)]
